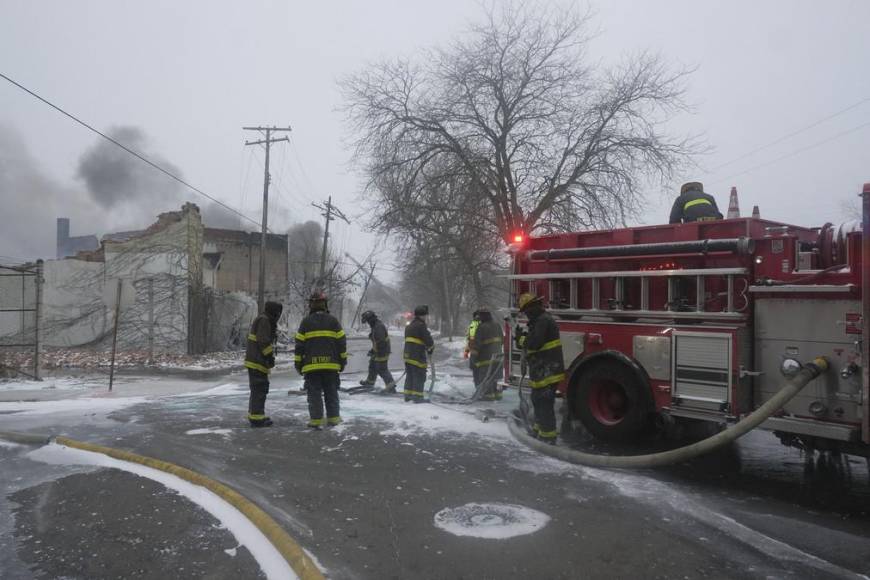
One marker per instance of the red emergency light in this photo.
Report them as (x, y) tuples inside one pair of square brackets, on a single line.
[(518, 238)]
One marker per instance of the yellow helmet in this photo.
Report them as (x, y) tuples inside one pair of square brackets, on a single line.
[(527, 300)]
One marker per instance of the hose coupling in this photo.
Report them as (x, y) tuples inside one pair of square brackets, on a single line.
[(819, 365)]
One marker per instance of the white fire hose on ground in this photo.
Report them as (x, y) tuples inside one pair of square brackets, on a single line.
[(791, 388)]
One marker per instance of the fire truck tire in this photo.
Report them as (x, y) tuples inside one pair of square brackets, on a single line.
[(611, 401)]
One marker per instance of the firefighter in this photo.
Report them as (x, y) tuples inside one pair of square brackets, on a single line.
[(321, 354), (469, 336), (693, 205), (485, 346), (379, 355), (259, 360), (418, 346), (543, 354)]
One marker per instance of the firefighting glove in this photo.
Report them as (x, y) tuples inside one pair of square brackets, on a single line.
[(270, 360), (371, 352), (298, 367)]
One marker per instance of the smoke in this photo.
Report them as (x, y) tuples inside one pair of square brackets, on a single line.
[(32, 201), (123, 193), (115, 178), (216, 216)]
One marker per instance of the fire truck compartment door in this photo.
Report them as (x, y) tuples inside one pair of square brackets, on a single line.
[(701, 370), (573, 344)]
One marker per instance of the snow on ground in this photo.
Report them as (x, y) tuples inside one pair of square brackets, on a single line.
[(88, 406), (246, 533), (492, 521), (672, 500), (55, 383), (210, 431), (218, 391)]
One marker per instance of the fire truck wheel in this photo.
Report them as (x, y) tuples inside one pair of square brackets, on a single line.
[(611, 402)]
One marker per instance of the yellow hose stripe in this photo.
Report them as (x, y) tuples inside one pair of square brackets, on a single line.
[(287, 546)]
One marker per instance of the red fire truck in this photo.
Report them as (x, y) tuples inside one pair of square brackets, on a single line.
[(704, 321)]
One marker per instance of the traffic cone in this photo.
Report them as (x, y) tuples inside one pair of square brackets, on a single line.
[(733, 205)]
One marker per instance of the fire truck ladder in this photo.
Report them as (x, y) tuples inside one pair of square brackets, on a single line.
[(736, 299)]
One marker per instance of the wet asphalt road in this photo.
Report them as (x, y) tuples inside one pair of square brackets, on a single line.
[(362, 499)]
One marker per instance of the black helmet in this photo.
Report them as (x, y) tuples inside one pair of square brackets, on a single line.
[(317, 301), (368, 316), (273, 310), (422, 310), (692, 186)]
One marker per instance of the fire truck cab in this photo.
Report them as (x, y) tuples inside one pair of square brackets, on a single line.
[(705, 321)]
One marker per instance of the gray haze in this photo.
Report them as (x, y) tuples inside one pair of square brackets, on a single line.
[(113, 176), (191, 74)]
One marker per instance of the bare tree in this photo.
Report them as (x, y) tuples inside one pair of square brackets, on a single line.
[(548, 141)]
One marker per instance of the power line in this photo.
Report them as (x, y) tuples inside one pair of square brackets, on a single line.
[(130, 151), (796, 152), (789, 135)]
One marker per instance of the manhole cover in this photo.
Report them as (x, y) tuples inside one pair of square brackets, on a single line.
[(493, 521)]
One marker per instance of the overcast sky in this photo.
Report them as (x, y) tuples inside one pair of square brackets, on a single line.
[(190, 74)]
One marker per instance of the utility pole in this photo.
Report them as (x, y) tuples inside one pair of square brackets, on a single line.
[(328, 211), (267, 132)]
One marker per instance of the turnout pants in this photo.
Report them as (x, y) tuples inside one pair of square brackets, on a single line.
[(320, 386), (487, 379), (259, 385), (544, 401), (381, 369), (415, 381)]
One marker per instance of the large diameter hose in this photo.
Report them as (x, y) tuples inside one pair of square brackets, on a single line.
[(791, 388)]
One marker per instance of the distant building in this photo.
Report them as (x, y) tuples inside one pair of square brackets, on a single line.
[(231, 262), (70, 246)]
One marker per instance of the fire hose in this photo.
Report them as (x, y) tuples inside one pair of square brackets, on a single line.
[(791, 388)]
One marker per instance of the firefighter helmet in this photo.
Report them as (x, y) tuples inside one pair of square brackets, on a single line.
[(317, 299), (368, 316), (527, 300), (422, 310), (692, 186)]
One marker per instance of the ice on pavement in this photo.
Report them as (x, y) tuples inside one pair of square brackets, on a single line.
[(210, 430), (492, 521), (54, 383), (274, 566), (676, 501), (88, 405)]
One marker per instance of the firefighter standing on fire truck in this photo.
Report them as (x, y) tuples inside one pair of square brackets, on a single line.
[(418, 347), (693, 205), (321, 354), (379, 355), (485, 346), (543, 354), (259, 360)]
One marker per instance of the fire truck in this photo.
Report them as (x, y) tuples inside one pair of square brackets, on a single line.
[(704, 321)]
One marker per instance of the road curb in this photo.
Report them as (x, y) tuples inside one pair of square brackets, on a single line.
[(292, 552)]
